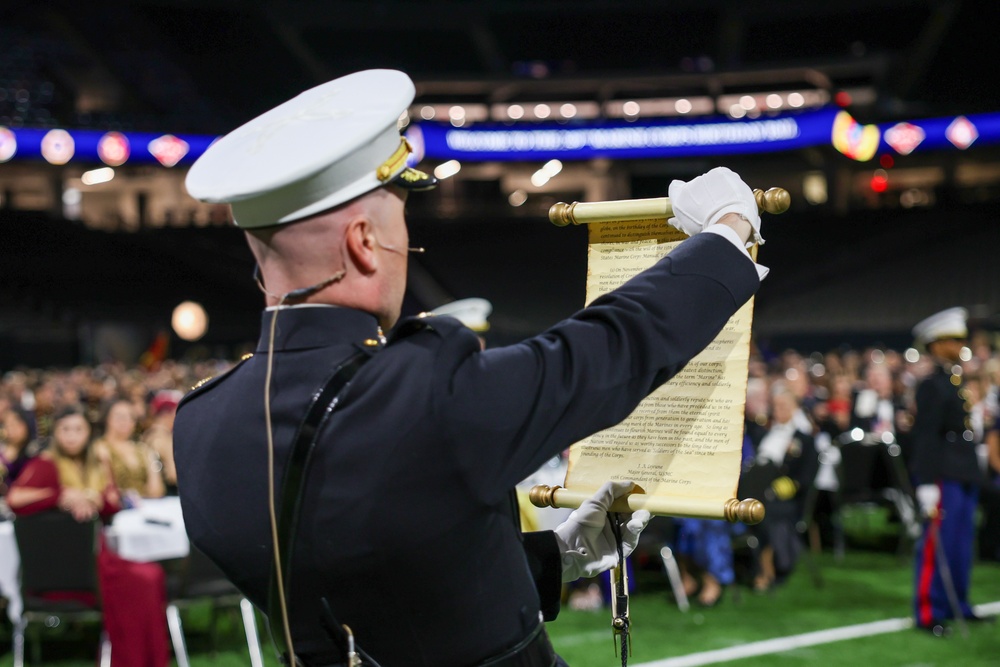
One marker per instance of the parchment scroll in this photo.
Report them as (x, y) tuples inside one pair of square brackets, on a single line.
[(684, 441)]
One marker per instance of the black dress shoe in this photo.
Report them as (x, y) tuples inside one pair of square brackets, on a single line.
[(936, 628), (976, 618)]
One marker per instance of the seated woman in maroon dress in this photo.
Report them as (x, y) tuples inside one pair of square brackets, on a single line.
[(135, 466), (18, 445), (69, 477)]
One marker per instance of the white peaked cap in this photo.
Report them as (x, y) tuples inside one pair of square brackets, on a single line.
[(470, 312), (322, 148), (949, 323)]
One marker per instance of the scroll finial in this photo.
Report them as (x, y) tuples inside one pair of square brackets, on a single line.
[(774, 201), (541, 495), (561, 214), (749, 511)]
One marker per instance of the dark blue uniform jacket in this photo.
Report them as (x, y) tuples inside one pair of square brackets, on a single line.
[(943, 443), (406, 525)]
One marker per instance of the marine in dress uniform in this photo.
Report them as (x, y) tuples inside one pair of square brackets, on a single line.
[(407, 530), (946, 475), (787, 461)]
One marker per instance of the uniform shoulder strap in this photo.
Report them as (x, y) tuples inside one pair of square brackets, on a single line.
[(323, 404), (207, 383)]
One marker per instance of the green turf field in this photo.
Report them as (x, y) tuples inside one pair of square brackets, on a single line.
[(865, 586)]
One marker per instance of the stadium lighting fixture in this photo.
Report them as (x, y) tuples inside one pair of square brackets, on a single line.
[(96, 176)]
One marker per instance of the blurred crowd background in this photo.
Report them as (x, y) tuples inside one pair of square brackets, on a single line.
[(838, 397)]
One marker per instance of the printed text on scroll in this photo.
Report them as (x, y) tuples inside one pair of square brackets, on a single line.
[(685, 439)]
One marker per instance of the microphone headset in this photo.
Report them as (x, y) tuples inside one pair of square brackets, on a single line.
[(293, 295), (283, 299), (392, 248)]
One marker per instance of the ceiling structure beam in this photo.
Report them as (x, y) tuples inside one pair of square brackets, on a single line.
[(405, 14), (607, 86), (926, 46), (290, 38)]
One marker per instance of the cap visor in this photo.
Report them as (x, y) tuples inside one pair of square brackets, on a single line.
[(414, 179)]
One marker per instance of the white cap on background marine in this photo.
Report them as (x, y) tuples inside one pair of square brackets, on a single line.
[(322, 148), (950, 323), (470, 312)]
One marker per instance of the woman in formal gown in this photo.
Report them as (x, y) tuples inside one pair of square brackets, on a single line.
[(69, 477), (135, 467)]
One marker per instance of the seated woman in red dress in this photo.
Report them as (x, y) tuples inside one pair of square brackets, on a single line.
[(135, 466), (18, 445), (69, 477)]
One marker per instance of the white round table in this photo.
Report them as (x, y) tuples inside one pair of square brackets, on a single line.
[(153, 531), (150, 532), (10, 563)]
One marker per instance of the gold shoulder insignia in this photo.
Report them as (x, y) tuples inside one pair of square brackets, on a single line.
[(199, 383)]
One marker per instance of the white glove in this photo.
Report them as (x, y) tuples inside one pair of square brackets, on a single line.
[(929, 497), (587, 540), (705, 199)]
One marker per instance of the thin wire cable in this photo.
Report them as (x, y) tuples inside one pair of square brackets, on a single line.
[(298, 294), (279, 574), (272, 512)]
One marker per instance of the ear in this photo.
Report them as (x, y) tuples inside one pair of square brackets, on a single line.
[(359, 237)]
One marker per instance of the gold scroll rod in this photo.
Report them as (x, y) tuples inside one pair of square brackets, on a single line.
[(775, 200), (748, 511)]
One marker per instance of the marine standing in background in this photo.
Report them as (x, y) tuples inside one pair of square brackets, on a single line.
[(946, 475)]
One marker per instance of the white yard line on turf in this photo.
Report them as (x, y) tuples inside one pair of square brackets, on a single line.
[(987, 609), (780, 644)]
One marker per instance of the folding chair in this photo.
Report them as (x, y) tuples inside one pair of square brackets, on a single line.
[(871, 472), (201, 580), (58, 554)]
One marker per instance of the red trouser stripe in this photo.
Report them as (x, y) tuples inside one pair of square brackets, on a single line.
[(924, 611)]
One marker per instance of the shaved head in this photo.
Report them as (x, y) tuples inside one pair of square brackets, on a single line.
[(365, 238)]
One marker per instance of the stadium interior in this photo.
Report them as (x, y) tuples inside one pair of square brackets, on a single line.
[(881, 118), (108, 261)]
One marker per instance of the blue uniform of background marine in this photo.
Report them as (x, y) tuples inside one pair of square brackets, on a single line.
[(407, 525), (944, 454)]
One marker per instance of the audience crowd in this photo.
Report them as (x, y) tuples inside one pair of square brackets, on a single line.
[(93, 440), (804, 412), (804, 415)]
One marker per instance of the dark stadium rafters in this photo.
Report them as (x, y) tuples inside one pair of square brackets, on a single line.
[(212, 63)]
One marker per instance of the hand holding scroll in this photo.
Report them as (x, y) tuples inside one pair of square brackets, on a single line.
[(586, 539), (707, 198)]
